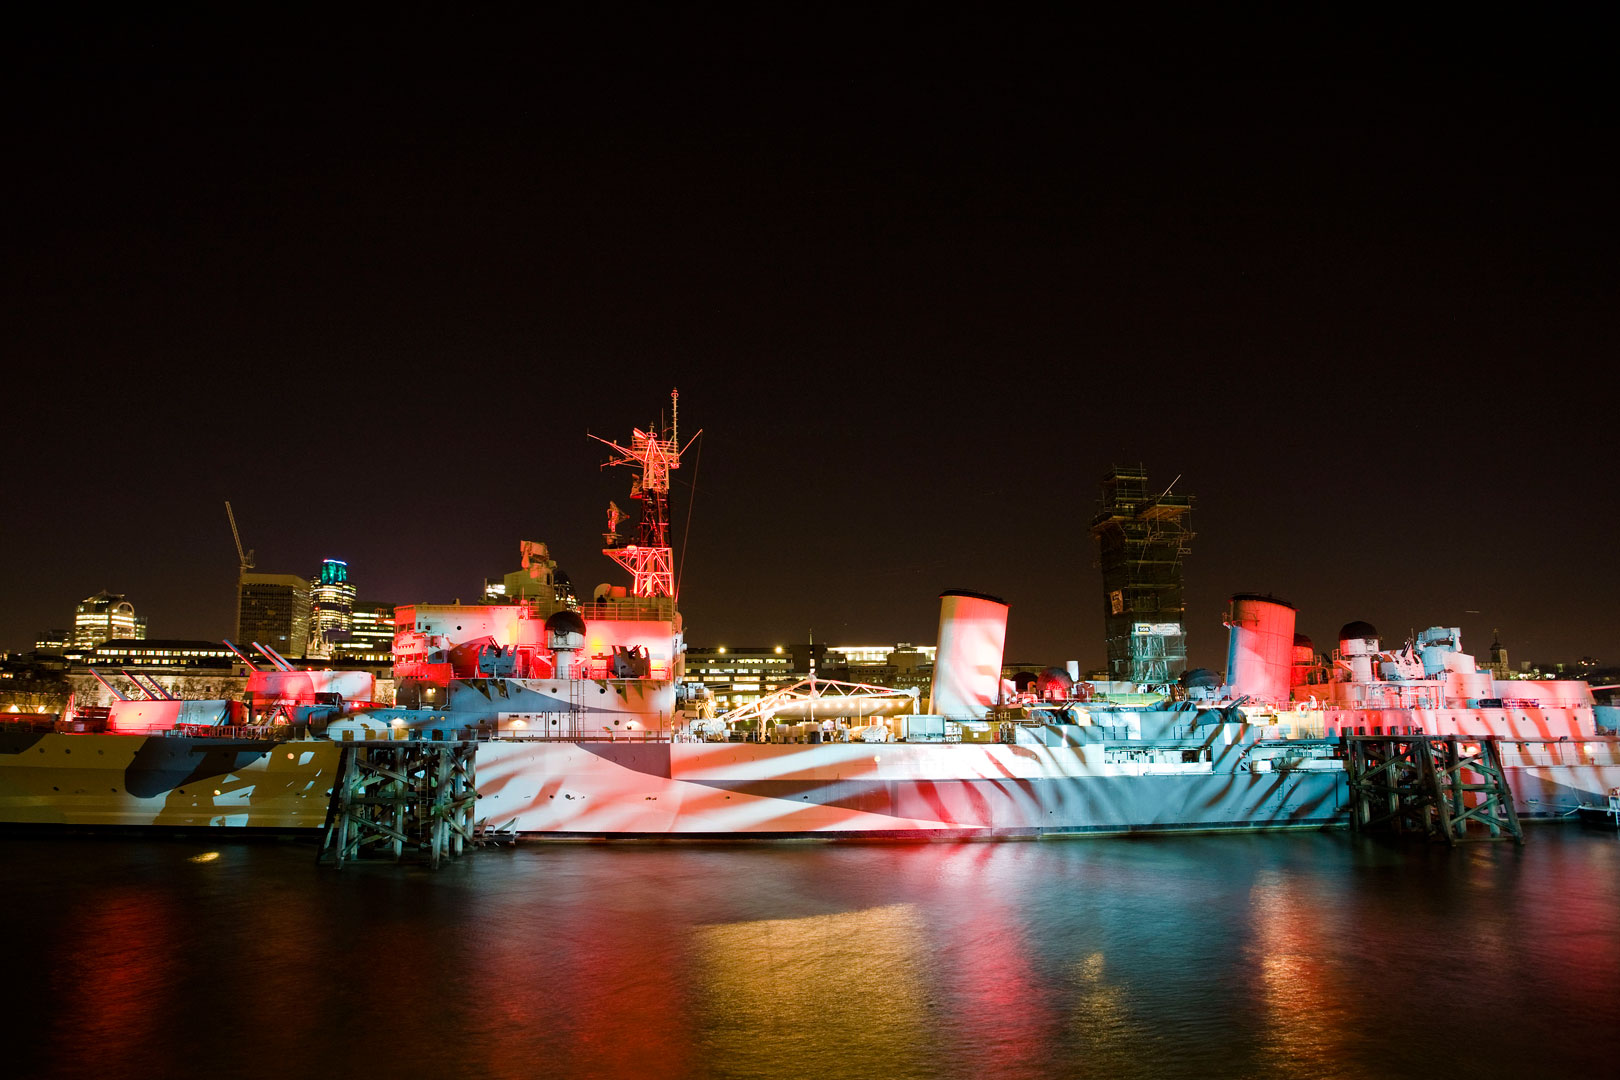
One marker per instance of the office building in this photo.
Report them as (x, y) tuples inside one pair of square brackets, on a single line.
[(332, 601), (161, 654), (104, 616), (274, 610), (371, 638)]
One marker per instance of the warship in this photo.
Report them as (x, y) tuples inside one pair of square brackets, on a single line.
[(583, 725)]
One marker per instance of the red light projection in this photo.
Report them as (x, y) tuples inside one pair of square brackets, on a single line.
[(967, 665), (1260, 649)]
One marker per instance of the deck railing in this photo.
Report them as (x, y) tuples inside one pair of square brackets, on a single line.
[(643, 608)]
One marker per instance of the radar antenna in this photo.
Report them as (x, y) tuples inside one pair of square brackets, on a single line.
[(654, 455)]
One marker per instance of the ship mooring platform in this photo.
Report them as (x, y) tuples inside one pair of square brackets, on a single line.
[(403, 800), (1441, 787)]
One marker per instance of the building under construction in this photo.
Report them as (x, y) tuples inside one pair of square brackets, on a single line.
[(1142, 536)]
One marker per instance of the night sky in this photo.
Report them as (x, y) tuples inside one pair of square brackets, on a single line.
[(921, 279)]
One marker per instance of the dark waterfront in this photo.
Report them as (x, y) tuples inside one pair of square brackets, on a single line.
[(1296, 955)]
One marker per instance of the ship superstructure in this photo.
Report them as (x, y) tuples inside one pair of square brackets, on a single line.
[(1428, 685), (544, 665)]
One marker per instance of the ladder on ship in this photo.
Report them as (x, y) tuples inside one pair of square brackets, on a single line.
[(402, 798), (576, 707), (1442, 787)]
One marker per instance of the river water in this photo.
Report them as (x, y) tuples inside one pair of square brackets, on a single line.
[(1317, 954)]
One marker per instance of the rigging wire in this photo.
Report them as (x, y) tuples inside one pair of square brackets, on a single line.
[(691, 502)]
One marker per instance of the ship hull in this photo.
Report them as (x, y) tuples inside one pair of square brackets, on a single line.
[(615, 789), (139, 782), (582, 789)]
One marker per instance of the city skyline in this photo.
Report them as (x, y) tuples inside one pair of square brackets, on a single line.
[(1324, 638), (918, 306)]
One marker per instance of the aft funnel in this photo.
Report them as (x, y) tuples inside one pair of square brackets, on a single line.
[(967, 661), (1260, 649)]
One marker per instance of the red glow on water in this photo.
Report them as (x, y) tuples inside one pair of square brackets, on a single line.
[(119, 964), (609, 992), (1003, 1005)]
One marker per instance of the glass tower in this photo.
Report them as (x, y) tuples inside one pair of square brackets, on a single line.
[(332, 600)]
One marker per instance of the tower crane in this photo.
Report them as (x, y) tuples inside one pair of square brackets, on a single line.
[(244, 560)]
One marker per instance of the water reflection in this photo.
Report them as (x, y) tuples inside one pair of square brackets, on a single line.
[(115, 969), (1110, 1039), (831, 995), (1290, 956), (1302, 998)]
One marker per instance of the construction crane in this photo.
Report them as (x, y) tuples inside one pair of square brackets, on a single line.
[(244, 560)]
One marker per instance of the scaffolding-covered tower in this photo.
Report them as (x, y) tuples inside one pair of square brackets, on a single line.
[(1142, 538)]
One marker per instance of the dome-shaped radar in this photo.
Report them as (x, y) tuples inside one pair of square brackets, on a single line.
[(565, 629), (1303, 641), (1200, 676), (1356, 631)]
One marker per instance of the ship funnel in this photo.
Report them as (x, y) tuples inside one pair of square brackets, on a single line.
[(1260, 647), (967, 661)]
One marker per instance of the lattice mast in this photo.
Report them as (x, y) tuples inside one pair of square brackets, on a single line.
[(654, 454)]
